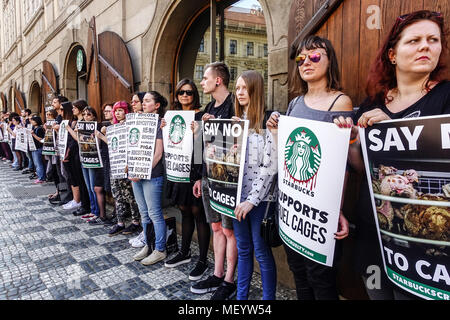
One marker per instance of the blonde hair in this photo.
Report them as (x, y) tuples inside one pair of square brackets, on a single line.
[(256, 106)]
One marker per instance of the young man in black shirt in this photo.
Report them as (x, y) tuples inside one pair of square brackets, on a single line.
[(215, 82)]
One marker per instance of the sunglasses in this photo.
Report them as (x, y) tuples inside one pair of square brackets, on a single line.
[(190, 93), (313, 57), (87, 114)]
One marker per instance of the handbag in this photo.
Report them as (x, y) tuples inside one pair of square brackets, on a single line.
[(171, 235), (269, 224)]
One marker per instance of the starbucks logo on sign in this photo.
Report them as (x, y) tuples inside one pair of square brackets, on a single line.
[(134, 136), (114, 144), (177, 129), (302, 155)]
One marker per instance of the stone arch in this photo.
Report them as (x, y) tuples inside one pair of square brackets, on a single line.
[(34, 97), (162, 41), (73, 87)]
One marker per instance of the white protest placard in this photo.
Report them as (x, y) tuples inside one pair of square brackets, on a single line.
[(117, 149), (178, 145), (21, 140), (49, 140), (62, 139), (141, 136), (312, 157), (31, 144)]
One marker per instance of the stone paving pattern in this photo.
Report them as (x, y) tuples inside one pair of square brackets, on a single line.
[(46, 253)]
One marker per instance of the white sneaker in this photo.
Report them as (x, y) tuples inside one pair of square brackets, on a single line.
[(141, 254), (155, 257), (68, 204), (140, 237), (72, 205)]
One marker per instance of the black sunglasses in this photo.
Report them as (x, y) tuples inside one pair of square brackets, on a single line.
[(190, 93)]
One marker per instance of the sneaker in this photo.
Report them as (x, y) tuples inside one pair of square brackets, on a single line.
[(132, 228), (179, 259), (139, 241), (116, 230), (226, 291), (79, 212), (110, 222), (72, 205), (208, 285), (37, 181), (198, 271), (155, 257), (95, 221), (141, 255)]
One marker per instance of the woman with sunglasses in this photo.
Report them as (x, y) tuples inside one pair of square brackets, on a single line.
[(192, 211), (406, 80), (317, 81)]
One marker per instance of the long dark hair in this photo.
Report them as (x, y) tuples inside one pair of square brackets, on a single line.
[(196, 103), (37, 119), (299, 86), (159, 98), (67, 110), (382, 74), (80, 104)]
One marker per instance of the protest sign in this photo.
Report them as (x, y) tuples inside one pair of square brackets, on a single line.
[(141, 136), (49, 140), (21, 139), (31, 144), (312, 157), (88, 145), (225, 143), (178, 145), (62, 139), (408, 169), (117, 149)]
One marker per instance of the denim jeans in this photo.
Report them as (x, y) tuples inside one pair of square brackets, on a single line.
[(31, 164), (148, 197), (249, 240), (39, 164), (89, 180)]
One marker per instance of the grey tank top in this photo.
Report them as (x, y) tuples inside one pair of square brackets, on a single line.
[(298, 108)]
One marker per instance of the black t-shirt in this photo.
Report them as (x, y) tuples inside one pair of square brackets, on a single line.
[(224, 111), (158, 170), (40, 132), (435, 102)]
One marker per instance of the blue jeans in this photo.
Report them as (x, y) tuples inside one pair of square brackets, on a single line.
[(39, 164), (31, 164), (148, 198), (89, 180), (249, 240)]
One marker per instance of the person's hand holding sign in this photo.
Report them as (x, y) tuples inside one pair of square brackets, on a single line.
[(242, 210), (371, 117)]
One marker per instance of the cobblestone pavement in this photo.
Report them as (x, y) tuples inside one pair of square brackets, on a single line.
[(46, 253)]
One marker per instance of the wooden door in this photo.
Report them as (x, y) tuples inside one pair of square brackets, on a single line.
[(49, 87), (352, 27), (3, 100), (19, 102), (110, 72)]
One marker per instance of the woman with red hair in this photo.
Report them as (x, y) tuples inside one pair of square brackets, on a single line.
[(405, 81), (121, 189)]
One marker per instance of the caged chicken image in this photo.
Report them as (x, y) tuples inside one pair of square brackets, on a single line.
[(421, 221)]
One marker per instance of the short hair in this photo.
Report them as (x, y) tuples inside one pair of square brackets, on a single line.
[(28, 111), (221, 70), (61, 98), (80, 104)]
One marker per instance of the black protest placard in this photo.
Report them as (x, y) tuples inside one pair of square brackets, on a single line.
[(225, 143), (88, 145), (408, 169), (49, 148)]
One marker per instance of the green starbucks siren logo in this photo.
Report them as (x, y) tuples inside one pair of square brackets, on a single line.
[(134, 136), (114, 144), (177, 129), (302, 155)]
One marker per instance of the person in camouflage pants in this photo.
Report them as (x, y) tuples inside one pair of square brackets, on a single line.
[(122, 193)]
